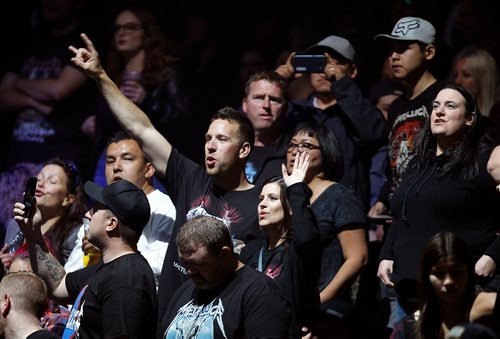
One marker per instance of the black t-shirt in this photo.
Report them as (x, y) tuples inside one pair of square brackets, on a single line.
[(294, 264), (335, 209), (265, 162), (113, 299), (406, 117), (43, 334), (193, 193), (249, 305)]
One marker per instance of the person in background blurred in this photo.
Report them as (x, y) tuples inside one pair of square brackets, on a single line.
[(47, 97), (141, 62), (477, 71)]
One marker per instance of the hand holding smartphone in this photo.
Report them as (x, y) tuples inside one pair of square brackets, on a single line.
[(29, 195)]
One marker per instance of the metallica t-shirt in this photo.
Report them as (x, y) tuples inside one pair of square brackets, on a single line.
[(249, 305), (193, 193)]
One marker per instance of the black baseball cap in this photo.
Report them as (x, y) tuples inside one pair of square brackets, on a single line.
[(127, 201)]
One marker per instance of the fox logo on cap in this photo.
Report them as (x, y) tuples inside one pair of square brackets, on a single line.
[(404, 27), (412, 28)]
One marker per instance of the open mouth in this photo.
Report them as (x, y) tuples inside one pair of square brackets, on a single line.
[(210, 162)]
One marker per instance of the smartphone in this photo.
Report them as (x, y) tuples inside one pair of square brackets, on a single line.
[(380, 218), (29, 195), (309, 63)]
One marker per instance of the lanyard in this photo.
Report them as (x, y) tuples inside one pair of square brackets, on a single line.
[(259, 267)]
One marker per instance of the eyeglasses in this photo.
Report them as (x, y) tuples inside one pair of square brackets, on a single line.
[(128, 28), (302, 147)]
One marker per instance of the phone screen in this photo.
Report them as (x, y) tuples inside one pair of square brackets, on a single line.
[(309, 63), (29, 194)]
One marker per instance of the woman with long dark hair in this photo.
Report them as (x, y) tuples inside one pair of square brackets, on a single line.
[(62, 203), (446, 188), (446, 289), (290, 252)]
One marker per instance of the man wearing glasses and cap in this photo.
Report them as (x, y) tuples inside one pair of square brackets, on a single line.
[(114, 298), (337, 102)]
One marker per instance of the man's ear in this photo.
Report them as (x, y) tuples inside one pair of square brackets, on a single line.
[(112, 224), (226, 251), (353, 71), (430, 52), (244, 105), (5, 305), (245, 150), (150, 170)]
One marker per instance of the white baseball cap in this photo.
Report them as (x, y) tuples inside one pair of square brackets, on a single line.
[(412, 28)]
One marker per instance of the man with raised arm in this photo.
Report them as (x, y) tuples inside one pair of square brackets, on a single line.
[(219, 189)]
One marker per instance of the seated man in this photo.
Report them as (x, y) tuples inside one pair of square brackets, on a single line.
[(224, 298)]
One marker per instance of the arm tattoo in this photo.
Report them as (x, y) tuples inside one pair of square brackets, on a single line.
[(55, 269)]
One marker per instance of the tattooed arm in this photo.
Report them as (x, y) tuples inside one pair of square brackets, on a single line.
[(42, 261)]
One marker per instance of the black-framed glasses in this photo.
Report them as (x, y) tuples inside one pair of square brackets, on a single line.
[(301, 147), (128, 27)]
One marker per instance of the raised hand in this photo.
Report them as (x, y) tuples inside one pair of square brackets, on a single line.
[(287, 70), (87, 58), (27, 223), (333, 69), (300, 166)]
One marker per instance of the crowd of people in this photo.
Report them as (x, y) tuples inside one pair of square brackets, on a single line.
[(293, 203)]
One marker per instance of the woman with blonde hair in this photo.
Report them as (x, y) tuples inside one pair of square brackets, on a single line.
[(476, 70)]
